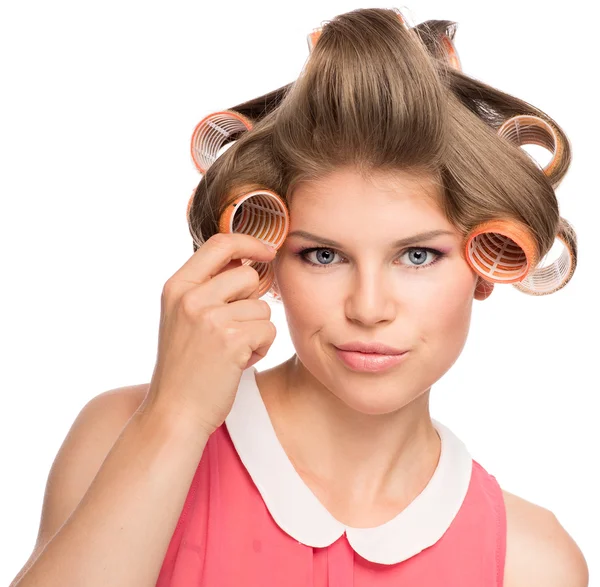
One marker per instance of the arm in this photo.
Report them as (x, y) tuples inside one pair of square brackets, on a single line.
[(111, 507)]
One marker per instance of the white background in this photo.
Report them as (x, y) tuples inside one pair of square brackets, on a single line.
[(99, 101)]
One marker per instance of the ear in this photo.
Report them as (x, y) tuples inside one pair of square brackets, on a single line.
[(483, 289), (275, 290)]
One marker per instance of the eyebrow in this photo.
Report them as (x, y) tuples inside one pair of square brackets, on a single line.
[(399, 243)]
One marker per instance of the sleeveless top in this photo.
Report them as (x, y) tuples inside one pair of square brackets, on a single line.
[(250, 520)]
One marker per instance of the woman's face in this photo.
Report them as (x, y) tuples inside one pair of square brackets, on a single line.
[(365, 288)]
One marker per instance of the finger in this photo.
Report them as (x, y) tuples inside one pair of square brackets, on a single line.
[(259, 336), (245, 310), (218, 252)]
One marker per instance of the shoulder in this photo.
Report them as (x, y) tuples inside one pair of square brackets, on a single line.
[(128, 398), (88, 441), (111, 409), (539, 551)]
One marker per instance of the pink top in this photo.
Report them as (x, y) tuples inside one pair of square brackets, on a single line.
[(250, 520)]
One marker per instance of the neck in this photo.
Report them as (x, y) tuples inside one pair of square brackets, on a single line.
[(360, 458)]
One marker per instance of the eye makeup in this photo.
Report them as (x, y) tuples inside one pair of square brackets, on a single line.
[(303, 253)]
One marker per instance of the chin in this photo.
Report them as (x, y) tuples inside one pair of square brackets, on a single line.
[(375, 398)]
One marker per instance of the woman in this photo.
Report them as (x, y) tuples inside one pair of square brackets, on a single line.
[(326, 469)]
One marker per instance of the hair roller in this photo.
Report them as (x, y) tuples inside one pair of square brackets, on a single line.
[(527, 129), (504, 251), (551, 278), (212, 133), (501, 251), (451, 55), (260, 212), (438, 38), (263, 214)]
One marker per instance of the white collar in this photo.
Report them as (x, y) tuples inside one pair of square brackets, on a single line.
[(299, 513)]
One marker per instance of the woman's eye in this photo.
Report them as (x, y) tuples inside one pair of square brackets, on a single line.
[(322, 256), (417, 256)]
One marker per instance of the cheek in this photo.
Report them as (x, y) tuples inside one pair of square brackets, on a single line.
[(306, 308), (445, 317)]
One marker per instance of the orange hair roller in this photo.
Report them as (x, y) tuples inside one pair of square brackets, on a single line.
[(260, 212), (527, 129), (450, 51), (212, 133), (501, 251), (504, 251)]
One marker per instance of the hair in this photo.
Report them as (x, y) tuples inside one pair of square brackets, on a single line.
[(378, 96)]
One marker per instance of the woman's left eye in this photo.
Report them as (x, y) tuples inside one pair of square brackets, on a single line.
[(419, 258)]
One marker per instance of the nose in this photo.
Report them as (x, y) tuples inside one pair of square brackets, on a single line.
[(370, 299)]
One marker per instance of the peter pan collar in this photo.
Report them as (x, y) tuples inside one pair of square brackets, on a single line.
[(299, 513)]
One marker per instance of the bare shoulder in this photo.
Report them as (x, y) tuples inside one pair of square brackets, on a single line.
[(88, 441), (128, 396), (539, 551)]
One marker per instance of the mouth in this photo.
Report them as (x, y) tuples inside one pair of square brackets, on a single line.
[(370, 347), (369, 362)]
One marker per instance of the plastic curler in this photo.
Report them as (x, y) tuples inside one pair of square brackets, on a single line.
[(451, 53), (550, 278), (501, 251), (263, 214), (212, 133), (260, 212), (312, 39), (526, 129), (504, 251)]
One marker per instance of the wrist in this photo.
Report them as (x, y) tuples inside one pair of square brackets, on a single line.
[(173, 421)]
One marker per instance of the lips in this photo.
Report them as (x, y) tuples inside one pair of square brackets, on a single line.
[(369, 362), (370, 347)]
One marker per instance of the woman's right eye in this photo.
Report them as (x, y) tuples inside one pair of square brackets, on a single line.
[(321, 260)]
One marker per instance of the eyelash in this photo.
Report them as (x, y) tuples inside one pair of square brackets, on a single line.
[(302, 254)]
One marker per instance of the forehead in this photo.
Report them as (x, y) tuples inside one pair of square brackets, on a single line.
[(347, 195)]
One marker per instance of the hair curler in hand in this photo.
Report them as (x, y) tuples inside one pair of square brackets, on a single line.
[(259, 212), (527, 129), (263, 214)]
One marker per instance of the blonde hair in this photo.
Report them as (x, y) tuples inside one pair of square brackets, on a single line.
[(378, 96)]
